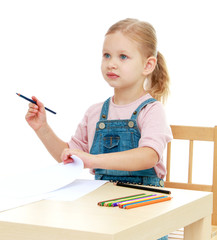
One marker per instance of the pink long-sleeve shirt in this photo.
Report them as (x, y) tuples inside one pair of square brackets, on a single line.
[(155, 131)]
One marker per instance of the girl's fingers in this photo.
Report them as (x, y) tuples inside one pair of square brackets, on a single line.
[(32, 105), (32, 110), (30, 115), (69, 160), (40, 104), (65, 154)]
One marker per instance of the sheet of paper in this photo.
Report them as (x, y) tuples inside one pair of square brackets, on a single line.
[(71, 192), (42, 181), (57, 182), (7, 203), (75, 190)]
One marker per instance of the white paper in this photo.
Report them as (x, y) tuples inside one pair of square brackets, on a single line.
[(75, 190), (42, 181), (7, 203), (57, 182)]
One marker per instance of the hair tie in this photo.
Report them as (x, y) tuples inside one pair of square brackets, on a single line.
[(157, 53)]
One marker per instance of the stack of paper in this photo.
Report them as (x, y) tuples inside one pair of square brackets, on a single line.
[(54, 182)]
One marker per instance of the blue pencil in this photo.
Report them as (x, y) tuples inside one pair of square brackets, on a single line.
[(30, 100), (135, 199), (130, 205)]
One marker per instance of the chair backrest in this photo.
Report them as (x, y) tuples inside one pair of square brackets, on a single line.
[(195, 134)]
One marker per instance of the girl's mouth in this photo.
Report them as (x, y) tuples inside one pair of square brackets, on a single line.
[(112, 75)]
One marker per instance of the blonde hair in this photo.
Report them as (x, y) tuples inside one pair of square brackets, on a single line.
[(144, 35)]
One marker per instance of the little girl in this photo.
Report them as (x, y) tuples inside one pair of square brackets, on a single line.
[(122, 139)]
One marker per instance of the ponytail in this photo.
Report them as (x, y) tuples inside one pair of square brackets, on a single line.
[(159, 80)]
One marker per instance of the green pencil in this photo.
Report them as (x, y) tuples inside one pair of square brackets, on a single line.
[(105, 202)]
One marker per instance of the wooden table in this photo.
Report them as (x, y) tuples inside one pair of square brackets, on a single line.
[(84, 219)]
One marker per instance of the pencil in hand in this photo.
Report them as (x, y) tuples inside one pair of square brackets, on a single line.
[(30, 100)]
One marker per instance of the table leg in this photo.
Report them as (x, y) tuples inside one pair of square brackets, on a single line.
[(199, 230)]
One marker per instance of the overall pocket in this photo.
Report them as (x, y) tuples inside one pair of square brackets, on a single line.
[(111, 143)]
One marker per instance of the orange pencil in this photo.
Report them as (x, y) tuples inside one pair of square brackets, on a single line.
[(147, 203), (131, 201)]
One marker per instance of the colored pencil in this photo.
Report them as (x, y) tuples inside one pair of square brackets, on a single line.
[(30, 100), (102, 203), (132, 200), (110, 203), (140, 199), (140, 204), (142, 187)]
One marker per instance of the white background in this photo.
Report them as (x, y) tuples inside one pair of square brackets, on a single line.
[(52, 49)]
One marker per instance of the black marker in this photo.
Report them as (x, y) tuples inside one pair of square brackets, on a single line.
[(142, 187)]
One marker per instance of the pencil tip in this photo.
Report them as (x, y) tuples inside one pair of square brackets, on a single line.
[(18, 94)]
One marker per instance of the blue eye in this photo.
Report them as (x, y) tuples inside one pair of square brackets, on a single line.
[(123, 57), (106, 55)]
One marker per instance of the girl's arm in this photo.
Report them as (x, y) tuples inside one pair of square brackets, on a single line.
[(130, 160), (53, 144), (36, 118)]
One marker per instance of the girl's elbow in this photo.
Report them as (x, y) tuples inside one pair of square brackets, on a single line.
[(153, 157)]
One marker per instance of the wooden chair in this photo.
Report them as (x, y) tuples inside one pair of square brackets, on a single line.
[(193, 134)]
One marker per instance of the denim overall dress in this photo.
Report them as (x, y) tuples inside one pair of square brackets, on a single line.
[(120, 135)]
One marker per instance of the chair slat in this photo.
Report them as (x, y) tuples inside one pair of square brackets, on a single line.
[(214, 216), (168, 161), (197, 187), (193, 133), (190, 163)]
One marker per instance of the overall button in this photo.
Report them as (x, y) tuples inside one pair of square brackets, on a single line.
[(161, 182), (102, 125), (131, 124)]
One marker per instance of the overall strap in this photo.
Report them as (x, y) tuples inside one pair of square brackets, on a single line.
[(140, 107), (104, 111)]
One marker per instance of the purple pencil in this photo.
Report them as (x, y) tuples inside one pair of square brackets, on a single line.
[(117, 203)]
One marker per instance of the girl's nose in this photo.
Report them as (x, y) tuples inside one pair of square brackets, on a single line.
[(112, 64)]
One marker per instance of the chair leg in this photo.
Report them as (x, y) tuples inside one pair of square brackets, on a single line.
[(178, 234)]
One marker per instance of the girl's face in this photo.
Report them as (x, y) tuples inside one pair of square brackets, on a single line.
[(122, 64)]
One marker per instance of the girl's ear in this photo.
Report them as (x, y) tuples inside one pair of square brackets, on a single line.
[(149, 66)]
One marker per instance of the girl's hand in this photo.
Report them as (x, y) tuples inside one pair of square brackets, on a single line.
[(85, 157), (36, 115)]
